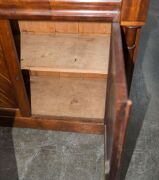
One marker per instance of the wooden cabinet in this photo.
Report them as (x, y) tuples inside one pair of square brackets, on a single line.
[(73, 70)]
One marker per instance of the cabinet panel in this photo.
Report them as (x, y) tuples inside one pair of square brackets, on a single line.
[(11, 82), (117, 104), (7, 96)]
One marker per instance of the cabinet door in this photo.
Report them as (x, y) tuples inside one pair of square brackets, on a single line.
[(12, 90), (117, 105)]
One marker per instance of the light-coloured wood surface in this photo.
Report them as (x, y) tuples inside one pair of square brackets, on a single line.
[(68, 97), (66, 28), (94, 28), (48, 27), (37, 27), (42, 71), (78, 55)]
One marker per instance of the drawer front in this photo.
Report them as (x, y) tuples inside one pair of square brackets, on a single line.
[(12, 91), (117, 104)]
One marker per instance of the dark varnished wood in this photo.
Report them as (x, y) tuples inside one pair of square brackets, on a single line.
[(13, 67), (7, 96), (117, 104), (10, 112), (53, 124), (133, 17), (130, 34), (72, 10), (130, 43), (134, 12)]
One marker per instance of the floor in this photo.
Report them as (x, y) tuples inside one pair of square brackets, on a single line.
[(47, 155)]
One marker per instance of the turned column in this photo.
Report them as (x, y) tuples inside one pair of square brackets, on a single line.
[(131, 40), (133, 17)]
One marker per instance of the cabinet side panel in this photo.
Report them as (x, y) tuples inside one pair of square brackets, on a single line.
[(11, 60), (117, 105)]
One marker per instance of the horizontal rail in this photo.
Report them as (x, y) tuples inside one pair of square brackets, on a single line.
[(53, 124), (71, 10)]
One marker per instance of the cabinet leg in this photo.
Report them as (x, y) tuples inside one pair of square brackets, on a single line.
[(131, 39)]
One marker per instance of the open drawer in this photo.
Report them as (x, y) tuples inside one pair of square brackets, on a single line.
[(73, 65), (77, 94)]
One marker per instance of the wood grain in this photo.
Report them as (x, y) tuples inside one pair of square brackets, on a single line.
[(13, 67), (7, 96), (134, 12)]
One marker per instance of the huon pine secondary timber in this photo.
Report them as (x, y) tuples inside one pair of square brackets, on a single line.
[(15, 109)]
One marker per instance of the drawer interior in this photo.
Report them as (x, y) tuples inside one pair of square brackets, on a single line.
[(68, 68)]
